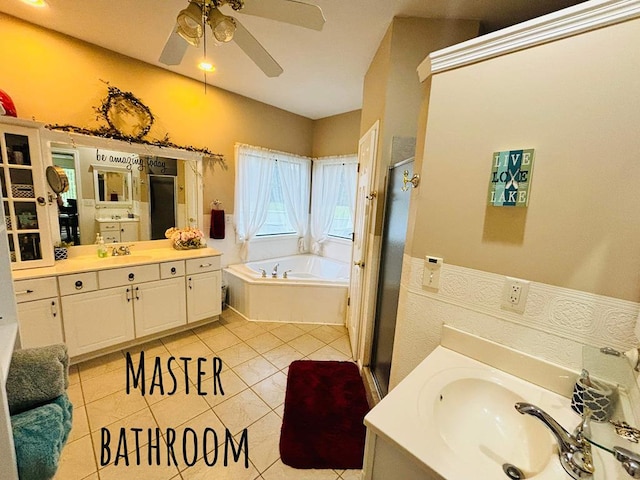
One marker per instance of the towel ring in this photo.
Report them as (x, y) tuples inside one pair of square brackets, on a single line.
[(215, 204)]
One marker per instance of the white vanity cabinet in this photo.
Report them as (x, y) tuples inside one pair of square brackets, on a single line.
[(204, 281), (119, 231), (38, 308)]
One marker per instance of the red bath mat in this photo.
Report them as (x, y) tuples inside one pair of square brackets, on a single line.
[(324, 407)]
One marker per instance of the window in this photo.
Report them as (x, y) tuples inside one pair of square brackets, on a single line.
[(277, 221), (342, 223), (271, 195)]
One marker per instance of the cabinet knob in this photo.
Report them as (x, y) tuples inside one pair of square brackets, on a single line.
[(173, 270), (79, 285), (131, 277)]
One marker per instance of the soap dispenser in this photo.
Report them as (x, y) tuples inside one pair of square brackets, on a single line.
[(102, 248)]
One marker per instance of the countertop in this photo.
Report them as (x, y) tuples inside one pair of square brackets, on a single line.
[(84, 258)]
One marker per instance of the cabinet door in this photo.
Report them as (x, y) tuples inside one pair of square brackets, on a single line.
[(204, 295), (40, 323), (99, 319), (24, 197), (159, 306), (129, 231)]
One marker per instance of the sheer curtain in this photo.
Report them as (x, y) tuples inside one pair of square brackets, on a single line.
[(295, 177), (327, 175), (254, 173), (351, 181)]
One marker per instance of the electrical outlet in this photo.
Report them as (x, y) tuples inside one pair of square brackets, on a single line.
[(514, 294)]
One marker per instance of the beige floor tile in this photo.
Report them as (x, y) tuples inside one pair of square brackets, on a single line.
[(342, 345), (80, 425), (179, 339), (74, 375), (280, 471), (112, 408), (351, 475), (195, 449), (329, 353), (248, 331), (143, 471), (306, 344), (194, 350), (326, 333), (307, 327), (170, 379), (237, 354), (272, 389), (255, 370), (264, 342), (232, 384), (241, 410), (233, 471), (279, 410), (74, 392), (105, 384), (151, 349), (264, 441), (287, 332), (77, 460), (101, 365), (282, 356), (209, 330), (220, 341), (142, 419), (178, 409), (268, 326)]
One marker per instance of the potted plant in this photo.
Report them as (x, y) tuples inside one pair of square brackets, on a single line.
[(60, 250)]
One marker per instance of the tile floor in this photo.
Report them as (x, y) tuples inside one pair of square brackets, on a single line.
[(255, 360)]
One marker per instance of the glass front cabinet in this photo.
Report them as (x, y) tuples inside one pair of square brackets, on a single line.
[(24, 196)]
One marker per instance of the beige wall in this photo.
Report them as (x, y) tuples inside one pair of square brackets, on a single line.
[(56, 79), (572, 102), (336, 135)]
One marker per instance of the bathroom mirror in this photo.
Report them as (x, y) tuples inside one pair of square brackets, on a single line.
[(148, 189), (112, 186)]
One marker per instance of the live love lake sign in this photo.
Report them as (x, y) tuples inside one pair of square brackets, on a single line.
[(510, 181)]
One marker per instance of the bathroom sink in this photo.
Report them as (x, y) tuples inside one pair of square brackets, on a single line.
[(472, 411)]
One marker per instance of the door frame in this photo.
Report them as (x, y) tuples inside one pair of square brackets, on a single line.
[(175, 199)]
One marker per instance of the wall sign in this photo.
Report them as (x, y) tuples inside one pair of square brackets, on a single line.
[(510, 181)]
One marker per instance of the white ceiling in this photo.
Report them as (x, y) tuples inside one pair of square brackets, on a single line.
[(323, 71)]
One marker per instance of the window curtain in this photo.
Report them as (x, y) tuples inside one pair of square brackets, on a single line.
[(327, 175), (295, 177), (254, 173), (351, 182)]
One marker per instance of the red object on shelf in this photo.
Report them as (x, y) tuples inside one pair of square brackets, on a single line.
[(6, 105)]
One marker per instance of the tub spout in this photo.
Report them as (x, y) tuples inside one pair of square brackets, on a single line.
[(573, 449), (274, 272)]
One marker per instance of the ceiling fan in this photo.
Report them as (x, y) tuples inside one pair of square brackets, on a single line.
[(192, 20)]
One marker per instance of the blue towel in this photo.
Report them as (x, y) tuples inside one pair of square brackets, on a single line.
[(39, 436)]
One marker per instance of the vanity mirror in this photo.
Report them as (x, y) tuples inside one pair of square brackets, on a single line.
[(112, 186), (127, 192)]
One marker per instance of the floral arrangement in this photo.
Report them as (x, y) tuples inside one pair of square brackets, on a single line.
[(186, 238)]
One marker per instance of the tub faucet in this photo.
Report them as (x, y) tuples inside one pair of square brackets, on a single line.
[(274, 272), (285, 274), (573, 449), (263, 273)]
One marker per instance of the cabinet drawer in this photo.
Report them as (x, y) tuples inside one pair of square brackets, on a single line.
[(128, 275), (35, 289), (172, 269), (203, 264), (78, 283), (110, 227)]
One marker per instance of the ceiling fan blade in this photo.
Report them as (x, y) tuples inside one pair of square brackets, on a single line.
[(174, 49), (255, 51), (288, 11)]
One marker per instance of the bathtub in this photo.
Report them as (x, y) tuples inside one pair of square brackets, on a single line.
[(315, 290)]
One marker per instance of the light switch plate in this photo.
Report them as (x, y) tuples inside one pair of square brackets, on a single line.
[(431, 273)]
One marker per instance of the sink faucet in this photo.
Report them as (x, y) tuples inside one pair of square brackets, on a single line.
[(274, 272), (120, 250), (573, 449)]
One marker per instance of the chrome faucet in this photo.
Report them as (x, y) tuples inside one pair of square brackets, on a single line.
[(286, 273), (274, 272), (263, 273), (573, 449), (120, 250)]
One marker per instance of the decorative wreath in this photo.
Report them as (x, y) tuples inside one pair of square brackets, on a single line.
[(130, 120)]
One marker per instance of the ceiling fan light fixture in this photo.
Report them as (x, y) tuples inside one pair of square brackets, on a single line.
[(190, 23), (207, 66), (35, 3), (222, 26)]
